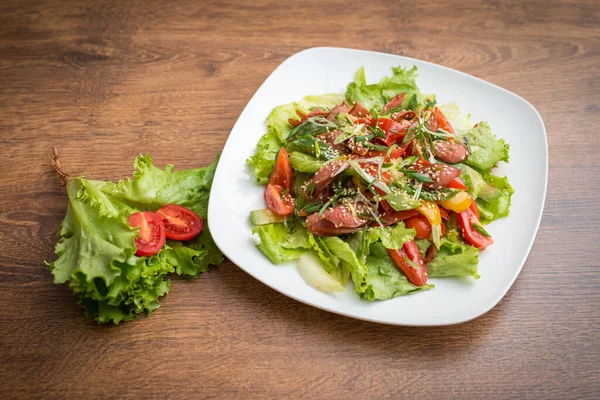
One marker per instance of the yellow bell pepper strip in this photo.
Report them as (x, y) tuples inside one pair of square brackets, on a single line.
[(431, 211), (457, 203)]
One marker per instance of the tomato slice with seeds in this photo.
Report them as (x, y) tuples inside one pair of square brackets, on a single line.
[(180, 223), (151, 236), (279, 202), (283, 174)]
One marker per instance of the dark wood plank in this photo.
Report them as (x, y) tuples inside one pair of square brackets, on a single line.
[(105, 81)]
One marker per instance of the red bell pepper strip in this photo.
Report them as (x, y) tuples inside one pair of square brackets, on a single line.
[(416, 276)]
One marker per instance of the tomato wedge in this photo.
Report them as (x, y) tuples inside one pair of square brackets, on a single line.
[(466, 220), (180, 223), (279, 203), (475, 209), (457, 183), (442, 121), (151, 236), (410, 251), (282, 174)]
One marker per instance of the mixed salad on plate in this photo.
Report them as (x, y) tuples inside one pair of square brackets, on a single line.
[(381, 186)]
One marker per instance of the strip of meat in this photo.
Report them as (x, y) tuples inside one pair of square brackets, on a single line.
[(449, 151), (395, 102), (336, 221), (358, 110), (440, 174), (328, 173)]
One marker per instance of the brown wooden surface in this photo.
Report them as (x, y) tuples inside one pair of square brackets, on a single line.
[(106, 80)]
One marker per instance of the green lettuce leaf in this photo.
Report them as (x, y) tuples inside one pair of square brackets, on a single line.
[(494, 203), (263, 160), (358, 270), (375, 96), (384, 281), (454, 258), (305, 163), (151, 188), (281, 245), (329, 261), (393, 237), (485, 150)]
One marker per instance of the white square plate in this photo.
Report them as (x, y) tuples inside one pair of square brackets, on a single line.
[(326, 70)]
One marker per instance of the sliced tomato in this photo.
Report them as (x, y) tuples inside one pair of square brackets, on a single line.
[(395, 131), (475, 209), (466, 220), (395, 153), (151, 236), (282, 174), (180, 223), (457, 183), (421, 225), (410, 251), (442, 121), (277, 201)]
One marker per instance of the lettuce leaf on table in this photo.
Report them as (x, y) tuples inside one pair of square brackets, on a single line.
[(96, 250)]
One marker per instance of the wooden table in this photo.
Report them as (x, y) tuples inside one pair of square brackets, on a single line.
[(105, 81)]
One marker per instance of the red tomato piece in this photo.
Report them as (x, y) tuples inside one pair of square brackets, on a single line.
[(417, 276), (180, 223), (457, 183), (151, 236), (442, 121), (277, 202), (282, 174), (466, 220), (421, 225)]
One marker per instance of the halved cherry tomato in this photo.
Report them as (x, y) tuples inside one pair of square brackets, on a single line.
[(466, 220), (421, 225), (180, 223), (277, 202), (151, 236), (457, 183), (457, 203), (282, 174), (442, 121), (417, 276)]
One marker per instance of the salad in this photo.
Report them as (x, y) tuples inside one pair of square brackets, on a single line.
[(381, 186)]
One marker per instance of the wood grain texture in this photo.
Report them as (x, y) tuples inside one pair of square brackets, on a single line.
[(105, 80)]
